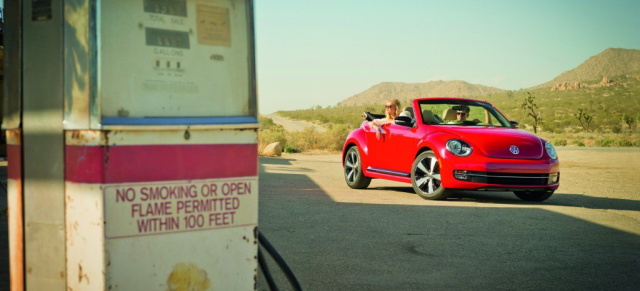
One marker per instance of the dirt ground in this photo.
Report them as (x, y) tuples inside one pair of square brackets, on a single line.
[(586, 236), (600, 172), (595, 178)]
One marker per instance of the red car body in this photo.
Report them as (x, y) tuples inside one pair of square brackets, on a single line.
[(492, 165)]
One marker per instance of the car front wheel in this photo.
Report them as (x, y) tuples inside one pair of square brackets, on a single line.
[(426, 179), (536, 196), (353, 174)]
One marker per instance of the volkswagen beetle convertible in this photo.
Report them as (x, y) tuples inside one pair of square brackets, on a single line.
[(440, 145)]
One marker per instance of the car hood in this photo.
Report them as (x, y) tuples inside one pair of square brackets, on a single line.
[(496, 142)]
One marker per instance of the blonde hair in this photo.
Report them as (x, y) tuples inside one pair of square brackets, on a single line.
[(395, 102)]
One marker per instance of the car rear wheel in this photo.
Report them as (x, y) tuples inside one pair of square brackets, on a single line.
[(426, 179), (534, 195), (353, 174)]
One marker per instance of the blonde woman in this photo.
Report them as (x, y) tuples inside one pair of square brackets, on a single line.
[(391, 111)]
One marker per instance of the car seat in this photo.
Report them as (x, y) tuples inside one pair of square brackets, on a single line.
[(427, 117), (408, 112), (449, 115)]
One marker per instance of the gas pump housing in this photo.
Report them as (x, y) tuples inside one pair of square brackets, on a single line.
[(132, 144)]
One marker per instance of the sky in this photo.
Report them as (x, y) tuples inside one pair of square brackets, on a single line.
[(311, 53)]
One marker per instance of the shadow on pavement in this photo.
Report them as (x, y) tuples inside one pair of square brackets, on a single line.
[(347, 246), (274, 161), (558, 199)]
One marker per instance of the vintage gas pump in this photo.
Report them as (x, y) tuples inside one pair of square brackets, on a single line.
[(132, 144)]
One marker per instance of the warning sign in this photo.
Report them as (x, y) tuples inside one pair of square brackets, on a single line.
[(138, 209), (213, 25)]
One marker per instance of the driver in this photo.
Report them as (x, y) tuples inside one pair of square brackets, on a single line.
[(462, 113)]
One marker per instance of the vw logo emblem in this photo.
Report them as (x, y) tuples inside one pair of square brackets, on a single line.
[(514, 150)]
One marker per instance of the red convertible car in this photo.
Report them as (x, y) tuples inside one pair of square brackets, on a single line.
[(445, 144)]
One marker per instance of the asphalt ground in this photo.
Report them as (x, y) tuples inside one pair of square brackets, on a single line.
[(586, 236)]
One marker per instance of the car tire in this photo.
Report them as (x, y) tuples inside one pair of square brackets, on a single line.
[(425, 177), (536, 196), (353, 174)]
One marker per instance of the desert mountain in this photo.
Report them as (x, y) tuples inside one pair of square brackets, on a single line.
[(596, 71), (609, 63), (382, 92)]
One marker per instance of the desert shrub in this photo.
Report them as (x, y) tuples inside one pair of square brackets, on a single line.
[(268, 136), (604, 142), (560, 142), (266, 122), (310, 139), (548, 127), (288, 149), (616, 128), (307, 139), (335, 136), (625, 143), (558, 107)]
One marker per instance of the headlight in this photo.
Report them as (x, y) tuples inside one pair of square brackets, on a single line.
[(458, 148), (551, 151)]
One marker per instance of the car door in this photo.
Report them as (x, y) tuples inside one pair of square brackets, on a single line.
[(374, 146), (398, 148)]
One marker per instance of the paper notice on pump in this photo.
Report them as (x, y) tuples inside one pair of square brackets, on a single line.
[(213, 25)]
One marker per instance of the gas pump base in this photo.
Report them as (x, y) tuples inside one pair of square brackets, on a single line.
[(156, 209)]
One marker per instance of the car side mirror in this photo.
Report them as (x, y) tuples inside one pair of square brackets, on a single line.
[(404, 120), (514, 123)]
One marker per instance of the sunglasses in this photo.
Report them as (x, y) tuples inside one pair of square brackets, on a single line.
[(389, 106), (461, 113)]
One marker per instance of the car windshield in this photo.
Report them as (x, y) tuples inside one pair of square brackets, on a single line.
[(461, 112)]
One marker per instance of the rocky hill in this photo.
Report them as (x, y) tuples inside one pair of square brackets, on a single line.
[(609, 63), (600, 70), (382, 92)]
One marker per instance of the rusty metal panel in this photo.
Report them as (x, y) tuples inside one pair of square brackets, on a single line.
[(43, 152), (84, 237), (78, 63), (15, 203), (216, 260), (160, 208)]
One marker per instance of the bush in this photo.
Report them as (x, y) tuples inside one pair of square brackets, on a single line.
[(266, 122), (604, 142), (616, 128), (560, 142), (579, 143), (625, 143), (289, 150), (307, 139), (336, 136), (549, 126)]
